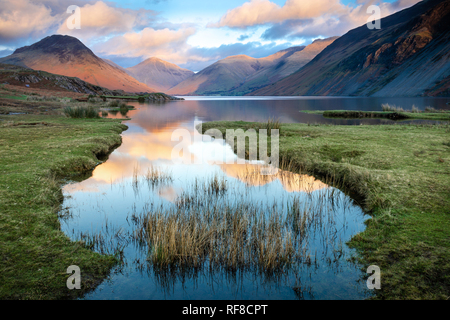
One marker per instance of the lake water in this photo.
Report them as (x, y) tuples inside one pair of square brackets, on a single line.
[(118, 204)]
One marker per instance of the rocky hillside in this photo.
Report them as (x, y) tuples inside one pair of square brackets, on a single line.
[(159, 74), (67, 56), (25, 77), (408, 56)]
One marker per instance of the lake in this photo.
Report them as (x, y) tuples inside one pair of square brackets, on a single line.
[(234, 232)]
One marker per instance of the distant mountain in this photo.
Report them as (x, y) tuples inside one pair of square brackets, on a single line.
[(238, 75), (159, 74), (408, 56), (114, 65), (68, 56), (284, 66)]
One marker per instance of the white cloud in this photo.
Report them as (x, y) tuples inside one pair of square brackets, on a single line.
[(22, 18)]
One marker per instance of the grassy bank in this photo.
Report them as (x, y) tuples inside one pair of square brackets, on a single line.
[(36, 153), (393, 115), (402, 175)]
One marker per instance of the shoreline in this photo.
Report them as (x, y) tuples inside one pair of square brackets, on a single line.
[(407, 235), (38, 154)]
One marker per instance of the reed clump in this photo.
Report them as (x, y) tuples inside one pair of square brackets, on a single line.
[(155, 175), (272, 124), (388, 107), (81, 112), (233, 233), (93, 99)]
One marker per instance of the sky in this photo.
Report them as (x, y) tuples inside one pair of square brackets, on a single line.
[(190, 33)]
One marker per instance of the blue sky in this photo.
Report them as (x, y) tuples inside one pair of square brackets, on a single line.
[(189, 33)]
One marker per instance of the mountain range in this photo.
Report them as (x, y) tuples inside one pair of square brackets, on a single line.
[(241, 74), (408, 56)]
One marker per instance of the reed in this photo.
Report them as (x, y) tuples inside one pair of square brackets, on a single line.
[(155, 175), (81, 112), (272, 124), (232, 233)]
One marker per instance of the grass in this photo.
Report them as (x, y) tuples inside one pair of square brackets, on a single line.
[(401, 173), (81, 111), (156, 175), (36, 154), (389, 112), (19, 97), (210, 227)]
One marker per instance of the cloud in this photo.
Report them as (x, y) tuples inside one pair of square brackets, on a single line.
[(243, 37), (331, 23), (164, 43), (5, 52), (24, 19), (258, 12), (100, 19)]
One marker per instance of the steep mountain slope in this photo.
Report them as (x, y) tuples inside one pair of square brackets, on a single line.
[(159, 74), (408, 56), (115, 65), (67, 56), (286, 65), (227, 76)]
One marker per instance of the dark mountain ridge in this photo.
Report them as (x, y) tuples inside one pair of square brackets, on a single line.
[(408, 56)]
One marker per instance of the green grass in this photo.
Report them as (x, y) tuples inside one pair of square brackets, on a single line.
[(36, 153), (20, 97), (438, 116), (401, 173)]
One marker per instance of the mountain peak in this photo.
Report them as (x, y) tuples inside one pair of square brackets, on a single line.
[(239, 56), (55, 43), (159, 74), (68, 56)]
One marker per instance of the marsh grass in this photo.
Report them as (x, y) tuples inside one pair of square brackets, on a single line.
[(414, 109), (388, 107), (47, 98), (272, 124), (406, 190), (81, 111), (108, 241), (156, 175), (209, 227), (93, 99)]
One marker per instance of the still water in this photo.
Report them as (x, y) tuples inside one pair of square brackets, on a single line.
[(123, 199)]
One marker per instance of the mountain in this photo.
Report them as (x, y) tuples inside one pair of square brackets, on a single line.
[(408, 56), (284, 66), (159, 74), (115, 65), (237, 75), (35, 79), (68, 56)]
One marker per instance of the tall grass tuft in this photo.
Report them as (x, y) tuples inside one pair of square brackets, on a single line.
[(81, 112), (272, 124), (233, 233), (388, 107), (155, 175)]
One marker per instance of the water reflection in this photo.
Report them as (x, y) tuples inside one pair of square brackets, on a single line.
[(118, 208)]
